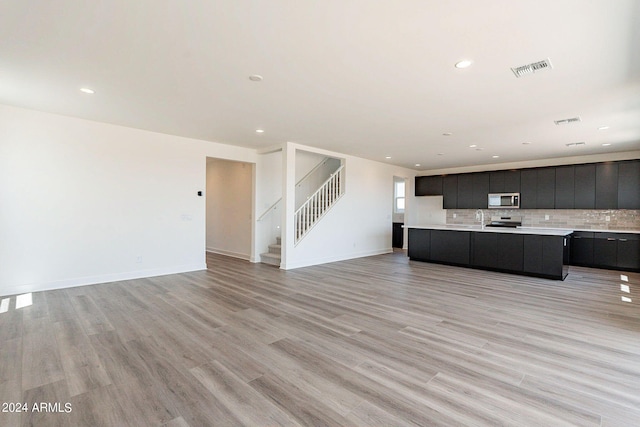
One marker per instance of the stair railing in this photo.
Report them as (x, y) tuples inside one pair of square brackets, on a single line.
[(318, 204)]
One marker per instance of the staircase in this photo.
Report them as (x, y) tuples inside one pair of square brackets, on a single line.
[(308, 215), (272, 257)]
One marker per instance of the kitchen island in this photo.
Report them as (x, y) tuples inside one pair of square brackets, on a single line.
[(542, 252)]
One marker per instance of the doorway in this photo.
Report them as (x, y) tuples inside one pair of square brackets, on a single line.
[(229, 207), (399, 202)]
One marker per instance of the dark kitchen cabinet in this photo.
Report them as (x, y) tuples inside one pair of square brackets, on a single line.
[(528, 188), (512, 181), (629, 185), (485, 250), (451, 247), (546, 188), (582, 248), (480, 190), (542, 255), (496, 182), (397, 235), (607, 185), (450, 192), (510, 252), (565, 187), (419, 244), (428, 185), (465, 191), (628, 251), (605, 250), (585, 187)]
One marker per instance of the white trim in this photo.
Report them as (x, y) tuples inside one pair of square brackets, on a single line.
[(245, 257), (94, 280), (325, 260)]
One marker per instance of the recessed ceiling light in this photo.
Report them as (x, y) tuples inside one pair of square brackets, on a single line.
[(388, 157), (603, 128), (447, 134), (473, 146), (256, 78), (259, 130), (606, 144), (495, 157), (464, 63), (87, 90), (417, 165)]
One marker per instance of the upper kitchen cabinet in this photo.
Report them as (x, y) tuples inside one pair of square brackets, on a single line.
[(565, 188), (585, 187), (450, 192), (481, 190), (546, 186), (607, 186), (504, 181), (629, 185), (465, 191), (428, 185), (528, 188)]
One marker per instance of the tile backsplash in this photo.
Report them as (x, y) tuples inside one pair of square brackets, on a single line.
[(558, 218)]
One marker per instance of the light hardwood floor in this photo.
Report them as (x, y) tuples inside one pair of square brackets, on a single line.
[(372, 341)]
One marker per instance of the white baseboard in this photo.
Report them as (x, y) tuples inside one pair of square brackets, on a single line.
[(245, 257), (94, 280), (325, 260)]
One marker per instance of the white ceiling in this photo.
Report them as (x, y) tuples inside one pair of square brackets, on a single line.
[(368, 78)]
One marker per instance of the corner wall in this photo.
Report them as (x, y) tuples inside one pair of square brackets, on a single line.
[(84, 202)]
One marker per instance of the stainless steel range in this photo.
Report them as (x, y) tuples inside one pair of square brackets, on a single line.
[(505, 221)]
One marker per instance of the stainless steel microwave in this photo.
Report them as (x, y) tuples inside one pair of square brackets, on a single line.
[(504, 201)]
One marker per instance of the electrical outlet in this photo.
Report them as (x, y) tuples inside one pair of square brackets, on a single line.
[(607, 218), (546, 217), (455, 216), (139, 259)]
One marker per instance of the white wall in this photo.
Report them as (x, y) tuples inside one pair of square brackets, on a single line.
[(360, 224), (82, 202), (229, 207)]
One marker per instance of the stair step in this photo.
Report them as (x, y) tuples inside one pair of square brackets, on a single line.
[(271, 259), (275, 249)]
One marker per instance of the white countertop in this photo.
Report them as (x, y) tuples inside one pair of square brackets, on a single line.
[(519, 230)]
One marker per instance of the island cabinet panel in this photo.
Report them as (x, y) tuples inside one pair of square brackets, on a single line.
[(585, 187), (565, 187), (544, 255), (511, 252), (607, 186), (485, 250), (582, 248), (465, 191), (428, 185), (629, 185), (628, 252), (450, 192), (605, 250), (419, 244), (546, 188), (451, 247), (480, 190), (528, 189)]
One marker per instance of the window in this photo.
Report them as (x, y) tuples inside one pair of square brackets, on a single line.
[(398, 206)]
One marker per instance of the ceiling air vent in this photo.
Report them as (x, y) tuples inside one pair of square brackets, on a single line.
[(575, 144), (523, 70), (567, 121)]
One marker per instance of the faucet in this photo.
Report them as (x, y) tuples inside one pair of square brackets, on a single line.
[(480, 217)]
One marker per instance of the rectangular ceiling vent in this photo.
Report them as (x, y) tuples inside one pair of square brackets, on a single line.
[(575, 144), (567, 121), (523, 70)]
